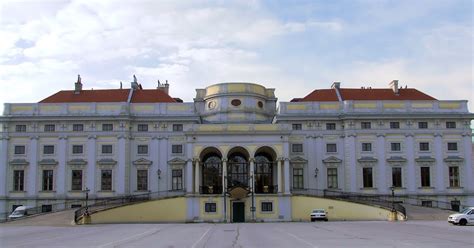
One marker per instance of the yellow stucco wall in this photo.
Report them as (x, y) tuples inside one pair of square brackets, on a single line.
[(301, 207), (165, 210)]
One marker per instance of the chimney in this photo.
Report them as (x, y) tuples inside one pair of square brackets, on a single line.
[(164, 87), (394, 86), (134, 83), (78, 85), (336, 85)]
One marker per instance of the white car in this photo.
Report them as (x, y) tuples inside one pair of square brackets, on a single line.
[(464, 217), (22, 211), (319, 214)]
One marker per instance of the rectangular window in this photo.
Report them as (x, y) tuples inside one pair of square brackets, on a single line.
[(366, 125), (453, 176), (395, 147), (331, 148), (76, 205), (77, 149), (46, 208), (332, 178), (142, 149), (210, 207), (18, 180), (427, 203), (267, 206), (394, 125), (452, 146), (77, 127), (177, 179), (367, 177), (19, 150), (49, 128), (20, 128), (177, 149), (296, 126), (47, 180), (48, 149), (422, 125), (424, 146), (142, 180), (397, 177), (142, 127), (450, 124), (106, 180), (297, 147), (106, 149), (76, 180), (107, 127), (425, 176), (177, 127), (297, 178), (330, 126), (366, 147)]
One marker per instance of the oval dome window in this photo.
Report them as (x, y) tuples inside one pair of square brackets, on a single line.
[(236, 102)]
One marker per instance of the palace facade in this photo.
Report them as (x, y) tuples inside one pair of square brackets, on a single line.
[(234, 139)]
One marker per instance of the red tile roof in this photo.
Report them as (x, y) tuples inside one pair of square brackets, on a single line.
[(148, 96), (109, 95), (383, 94), (325, 95)]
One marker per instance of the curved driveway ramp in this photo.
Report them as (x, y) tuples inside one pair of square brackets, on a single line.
[(426, 213), (61, 218)]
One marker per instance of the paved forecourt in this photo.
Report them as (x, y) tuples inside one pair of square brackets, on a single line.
[(319, 234)]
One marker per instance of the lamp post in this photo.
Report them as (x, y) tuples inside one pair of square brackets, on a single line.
[(87, 200)]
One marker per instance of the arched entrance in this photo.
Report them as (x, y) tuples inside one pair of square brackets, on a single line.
[(211, 163), (238, 168), (265, 162)]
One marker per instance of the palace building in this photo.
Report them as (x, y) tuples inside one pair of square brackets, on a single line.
[(235, 151)]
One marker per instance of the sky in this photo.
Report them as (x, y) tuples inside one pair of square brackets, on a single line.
[(293, 46)]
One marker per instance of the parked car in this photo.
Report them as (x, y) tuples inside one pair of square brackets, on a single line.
[(22, 211), (464, 217), (319, 214)]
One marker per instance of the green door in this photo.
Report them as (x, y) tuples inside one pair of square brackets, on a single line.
[(238, 212)]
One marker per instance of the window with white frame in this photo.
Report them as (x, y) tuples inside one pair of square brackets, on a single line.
[(453, 176), (142, 127), (20, 128), (49, 128), (77, 127), (297, 147), (394, 125), (332, 178), (297, 178), (330, 126), (76, 180), (366, 147), (397, 177), (422, 125), (142, 180), (107, 149), (424, 146), (267, 206), (177, 179), (47, 180), (77, 149), (177, 127), (367, 177), (107, 127), (297, 126), (106, 180), (395, 146), (210, 207), (365, 125), (176, 149), (48, 149), (452, 146), (331, 148), (18, 180), (425, 176), (450, 124), (19, 150), (142, 149)]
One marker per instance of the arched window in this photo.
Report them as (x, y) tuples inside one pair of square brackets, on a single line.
[(264, 174), (237, 171), (211, 175)]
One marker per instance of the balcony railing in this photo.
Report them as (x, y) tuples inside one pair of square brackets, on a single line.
[(209, 190), (266, 189)]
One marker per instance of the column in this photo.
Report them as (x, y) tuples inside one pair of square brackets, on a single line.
[(321, 178), (3, 164), (252, 174), (351, 164), (61, 176), (467, 181), (197, 175), (411, 172), (189, 176), (381, 164), (286, 173), (439, 164), (155, 166), (163, 157), (33, 167), (120, 179), (224, 175), (280, 184), (91, 164)]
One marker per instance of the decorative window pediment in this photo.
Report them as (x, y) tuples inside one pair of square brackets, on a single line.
[(332, 160), (367, 160), (451, 159), (425, 159), (19, 162), (77, 161), (396, 159), (48, 161), (107, 161), (176, 161), (298, 160), (142, 163)]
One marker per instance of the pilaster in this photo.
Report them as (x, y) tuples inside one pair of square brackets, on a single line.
[(61, 178), (189, 169), (120, 180), (439, 163), (91, 164), (381, 164), (3, 164), (467, 181), (33, 166), (411, 172)]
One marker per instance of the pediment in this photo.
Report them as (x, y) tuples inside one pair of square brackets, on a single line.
[(77, 161), (142, 161), (332, 159), (48, 161), (396, 159), (19, 162), (367, 160), (106, 161), (298, 160), (425, 159), (453, 159), (177, 161)]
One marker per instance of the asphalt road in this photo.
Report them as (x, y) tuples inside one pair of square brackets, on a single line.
[(319, 234)]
